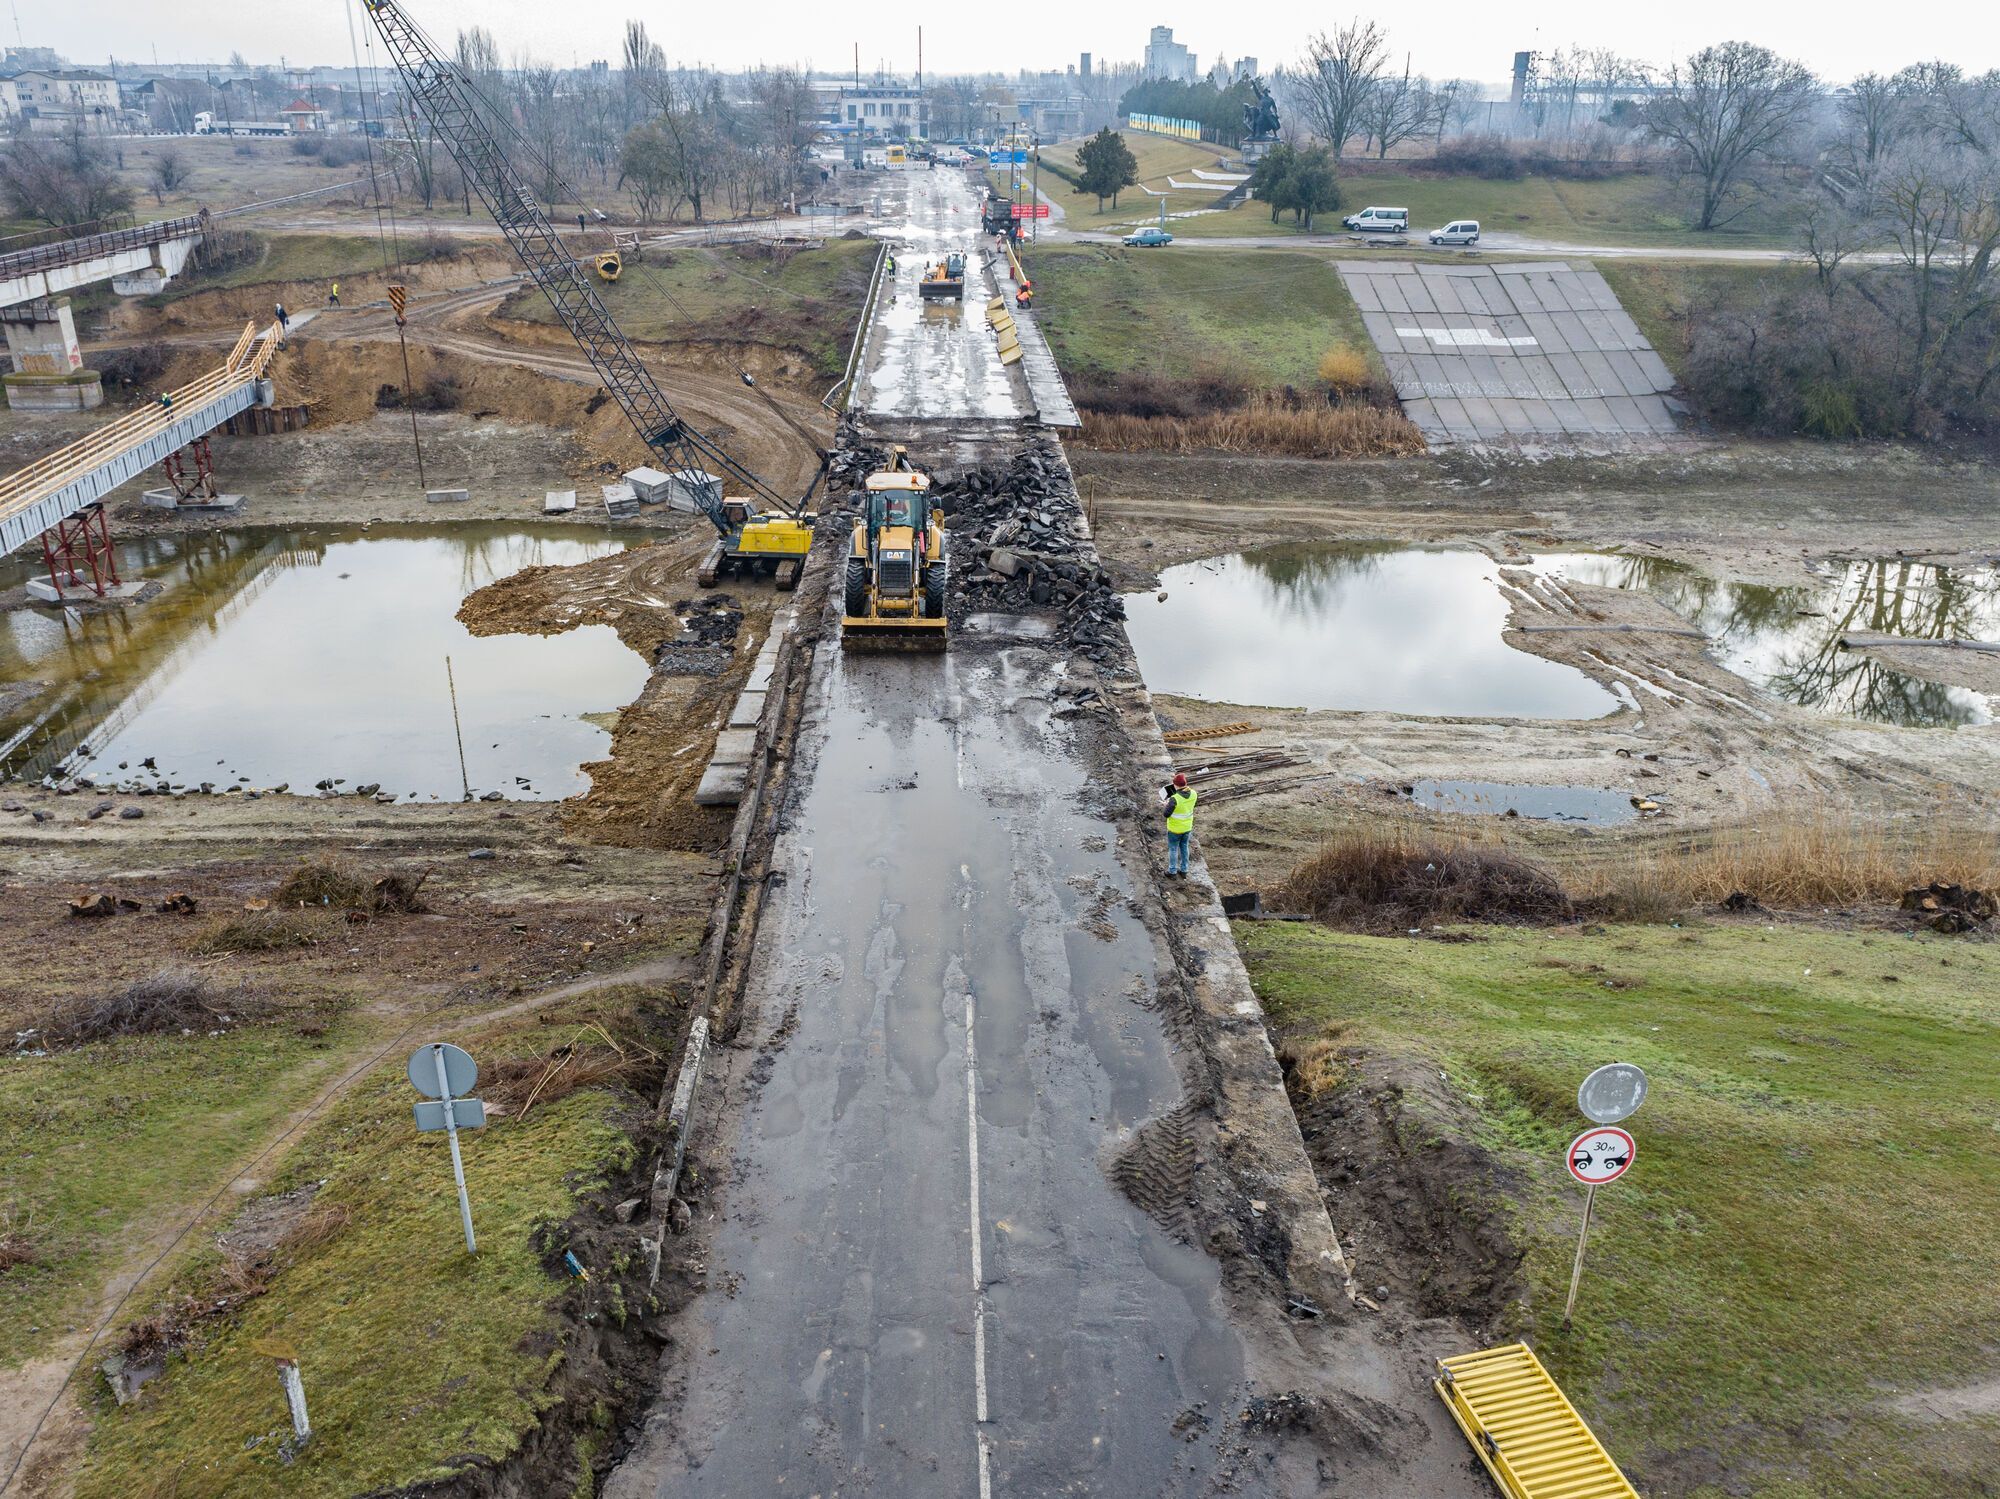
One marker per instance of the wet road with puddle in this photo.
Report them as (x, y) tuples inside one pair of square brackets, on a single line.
[(925, 1282)]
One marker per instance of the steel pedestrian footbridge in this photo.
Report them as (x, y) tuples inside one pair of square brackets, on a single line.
[(50, 490)]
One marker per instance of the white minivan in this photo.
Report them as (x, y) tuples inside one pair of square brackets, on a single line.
[(1380, 220), (1459, 232)]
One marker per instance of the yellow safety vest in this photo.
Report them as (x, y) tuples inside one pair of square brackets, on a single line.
[(1181, 819)]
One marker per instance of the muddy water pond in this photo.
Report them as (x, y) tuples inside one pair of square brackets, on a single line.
[(1373, 628), (1592, 806), (299, 656), (1787, 640)]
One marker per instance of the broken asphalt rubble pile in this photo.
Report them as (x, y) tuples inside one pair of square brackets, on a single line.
[(1019, 544), (706, 644), (1950, 908)]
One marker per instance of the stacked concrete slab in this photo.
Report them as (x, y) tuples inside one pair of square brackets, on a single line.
[(722, 785), (648, 484), (1493, 353)]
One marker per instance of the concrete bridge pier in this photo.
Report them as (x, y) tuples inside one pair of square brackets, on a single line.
[(167, 256), (48, 373)]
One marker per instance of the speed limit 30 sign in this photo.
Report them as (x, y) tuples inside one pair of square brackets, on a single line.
[(1601, 1155)]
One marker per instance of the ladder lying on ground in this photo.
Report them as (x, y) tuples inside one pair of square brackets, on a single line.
[(1524, 1429), (50, 490)]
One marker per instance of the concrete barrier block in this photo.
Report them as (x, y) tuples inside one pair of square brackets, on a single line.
[(734, 747), (447, 496), (722, 786), (748, 712)]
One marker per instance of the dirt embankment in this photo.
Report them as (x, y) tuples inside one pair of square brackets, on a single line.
[(256, 300), (1712, 749), (701, 645)]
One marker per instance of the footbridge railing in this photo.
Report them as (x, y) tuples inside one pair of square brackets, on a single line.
[(51, 489)]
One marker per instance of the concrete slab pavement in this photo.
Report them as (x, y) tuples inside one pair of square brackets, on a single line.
[(1518, 351)]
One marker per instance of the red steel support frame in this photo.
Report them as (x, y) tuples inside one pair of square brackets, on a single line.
[(203, 482), (70, 546)]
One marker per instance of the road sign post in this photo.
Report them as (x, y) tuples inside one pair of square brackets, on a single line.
[(444, 1071), (1596, 1157)]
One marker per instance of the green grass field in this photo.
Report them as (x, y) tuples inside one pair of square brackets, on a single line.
[(110, 1140), (1807, 1233), (1658, 294), (416, 1356), (1630, 210), (1160, 158), (1264, 317), (285, 257), (808, 303)]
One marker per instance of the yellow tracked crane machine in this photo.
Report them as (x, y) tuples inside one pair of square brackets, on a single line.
[(758, 530), (895, 565)]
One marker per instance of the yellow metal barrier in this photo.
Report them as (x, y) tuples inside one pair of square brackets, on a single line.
[(1524, 1429)]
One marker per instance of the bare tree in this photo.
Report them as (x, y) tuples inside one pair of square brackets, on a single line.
[(538, 105), (689, 109), (1724, 109), (1940, 209), (1396, 109), (170, 172), (643, 65), (61, 180), (421, 147), (1964, 111), (1874, 111), (1338, 75)]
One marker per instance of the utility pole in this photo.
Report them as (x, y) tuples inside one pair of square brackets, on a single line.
[(1035, 202)]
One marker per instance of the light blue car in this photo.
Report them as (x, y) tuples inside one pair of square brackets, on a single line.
[(1146, 237)]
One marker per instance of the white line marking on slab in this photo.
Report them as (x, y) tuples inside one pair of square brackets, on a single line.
[(978, 1252), (1466, 338)]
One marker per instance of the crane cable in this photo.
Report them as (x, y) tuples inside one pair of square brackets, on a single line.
[(368, 140)]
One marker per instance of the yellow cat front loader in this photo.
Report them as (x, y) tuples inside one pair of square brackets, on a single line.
[(895, 565)]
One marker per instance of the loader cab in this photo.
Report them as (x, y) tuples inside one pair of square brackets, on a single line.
[(897, 501)]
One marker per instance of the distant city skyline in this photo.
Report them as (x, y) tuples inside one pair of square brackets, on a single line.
[(1451, 38)]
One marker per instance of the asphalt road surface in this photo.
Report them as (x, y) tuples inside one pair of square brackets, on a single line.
[(924, 1282)]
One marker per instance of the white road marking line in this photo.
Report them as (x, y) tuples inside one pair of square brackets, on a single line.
[(978, 1250)]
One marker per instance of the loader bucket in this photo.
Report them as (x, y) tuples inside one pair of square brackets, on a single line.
[(866, 633)]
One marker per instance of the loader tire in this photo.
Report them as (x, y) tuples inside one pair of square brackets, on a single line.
[(857, 588), (934, 579)]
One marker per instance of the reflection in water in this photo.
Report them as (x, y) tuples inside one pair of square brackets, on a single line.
[(1379, 628), (1588, 804), (295, 656), (1787, 640)]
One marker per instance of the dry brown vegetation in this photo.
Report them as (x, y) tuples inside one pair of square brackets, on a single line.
[(262, 931), (1266, 424), (1399, 872), (329, 883), (174, 999), (17, 1243), (1394, 874)]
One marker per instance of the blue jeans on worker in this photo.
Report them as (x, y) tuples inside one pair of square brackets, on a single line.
[(1177, 850)]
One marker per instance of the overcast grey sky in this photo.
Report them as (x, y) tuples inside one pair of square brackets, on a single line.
[(1446, 38)]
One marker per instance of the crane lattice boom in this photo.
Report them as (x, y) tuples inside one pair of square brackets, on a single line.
[(449, 103)]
